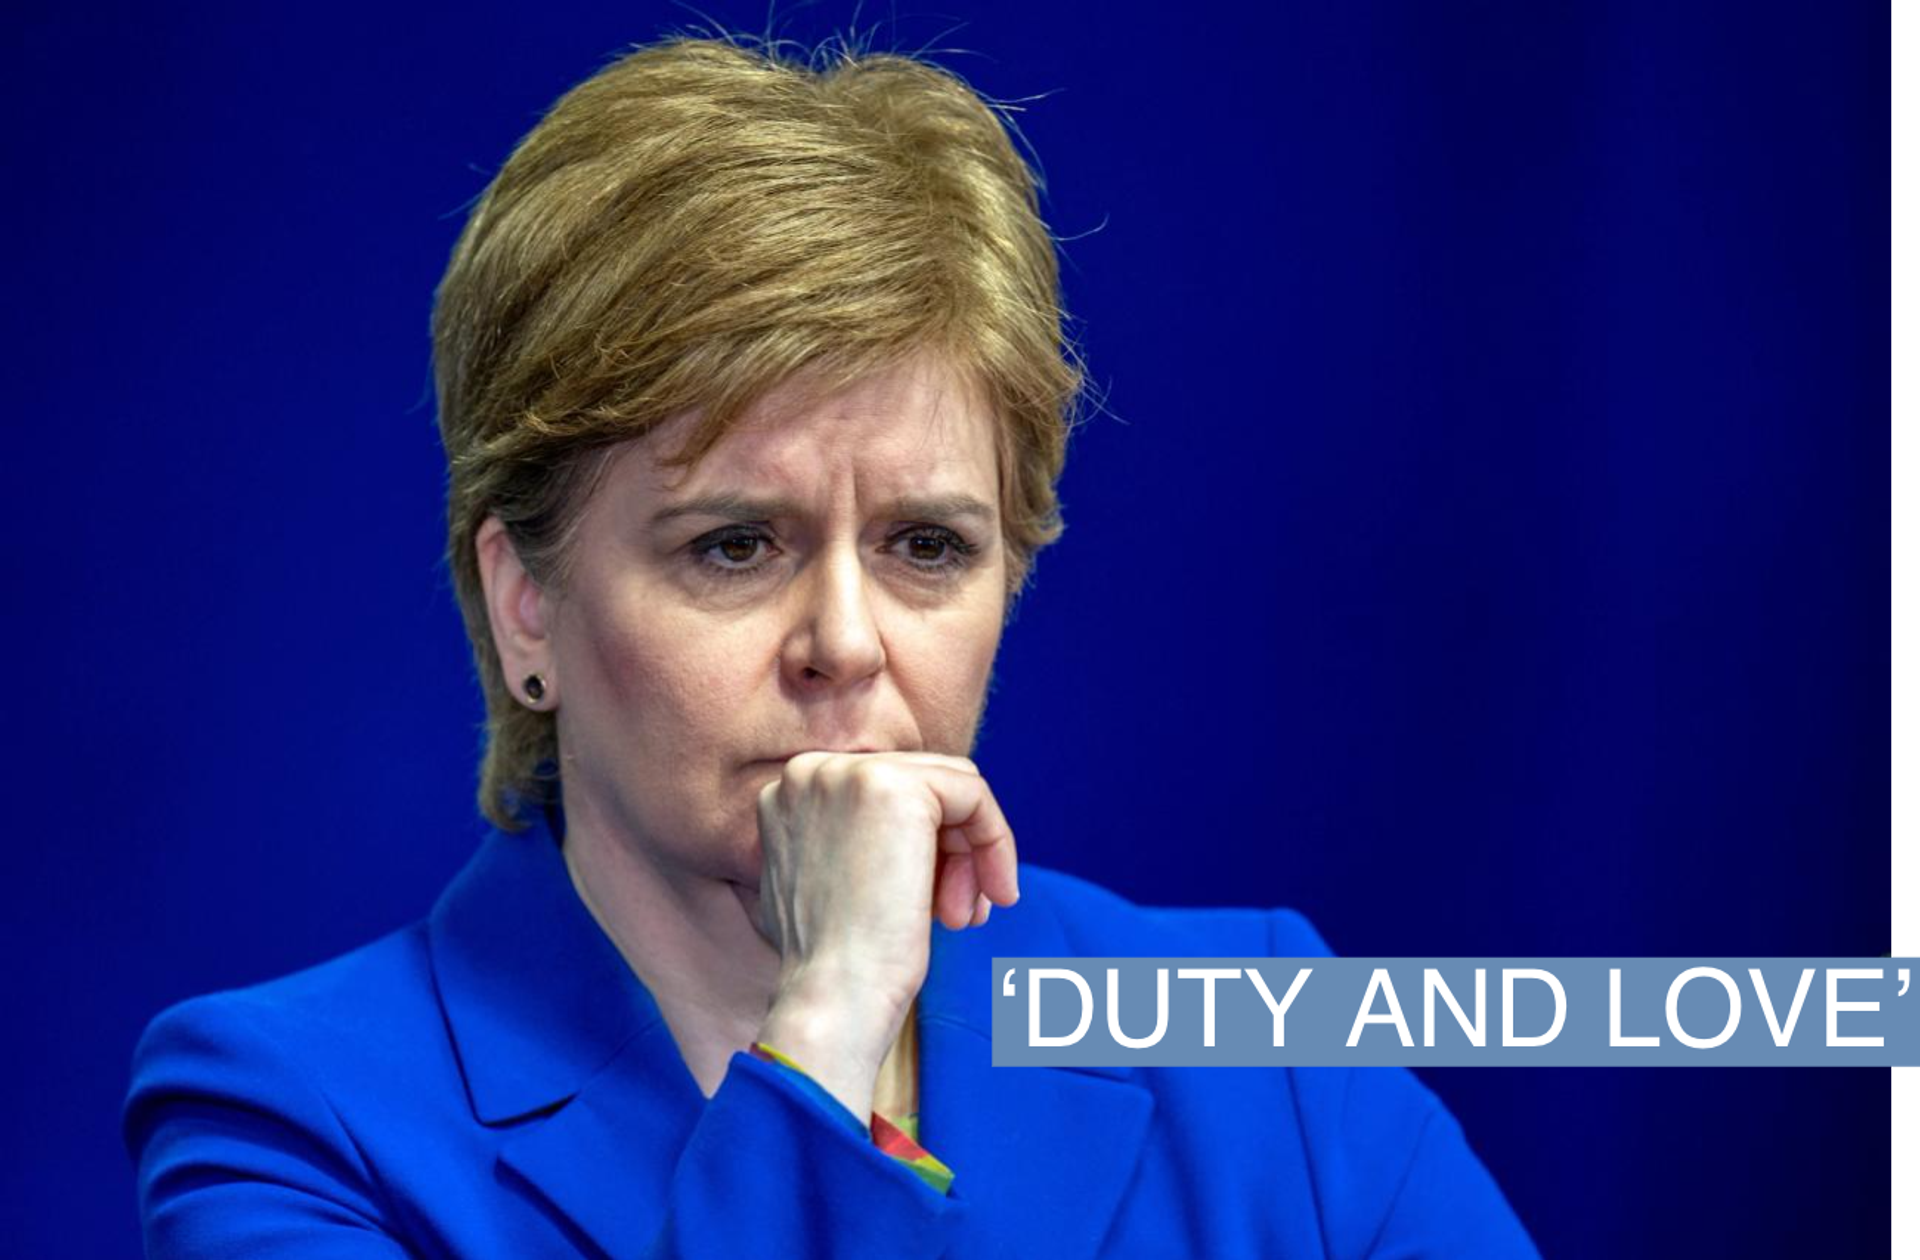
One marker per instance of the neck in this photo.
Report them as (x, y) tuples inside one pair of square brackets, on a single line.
[(693, 944)]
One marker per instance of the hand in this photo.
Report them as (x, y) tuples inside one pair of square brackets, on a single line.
[(859, 851)]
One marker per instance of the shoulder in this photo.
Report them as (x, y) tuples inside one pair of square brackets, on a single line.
[(1097, 920), (246, 1094), (295, 1043), (354, 992)]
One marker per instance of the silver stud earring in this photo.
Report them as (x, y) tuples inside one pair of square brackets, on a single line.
[(536, 688)]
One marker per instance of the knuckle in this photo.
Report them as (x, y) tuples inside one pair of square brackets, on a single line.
[(870, 777), (806, 763), (834, 770)]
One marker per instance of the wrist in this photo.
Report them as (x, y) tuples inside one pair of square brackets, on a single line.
[(850, 999), (823, 1048)]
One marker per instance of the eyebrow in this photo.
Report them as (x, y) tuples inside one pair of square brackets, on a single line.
[(727, 505)]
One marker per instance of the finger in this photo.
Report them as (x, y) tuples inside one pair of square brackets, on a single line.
[(953, 843), (968, 805), (982, 910), (963, 764), (958, 892)]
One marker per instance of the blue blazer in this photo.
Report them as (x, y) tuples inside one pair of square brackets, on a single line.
[(494, 1081)]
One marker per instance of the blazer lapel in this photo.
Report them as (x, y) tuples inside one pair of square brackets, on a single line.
[(559, 1042), (606, 1158), (1042, 1156)]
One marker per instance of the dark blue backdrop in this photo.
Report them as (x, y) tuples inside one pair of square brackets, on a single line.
[(1487, 554)]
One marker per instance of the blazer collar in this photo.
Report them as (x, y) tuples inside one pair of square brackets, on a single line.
[(551, 1026), (537, 998)]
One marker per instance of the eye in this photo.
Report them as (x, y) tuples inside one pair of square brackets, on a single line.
[(740, 552), (732, 552), (936, 549)]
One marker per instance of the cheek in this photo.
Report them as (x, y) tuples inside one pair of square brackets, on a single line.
[(667, 684), (948, 681)]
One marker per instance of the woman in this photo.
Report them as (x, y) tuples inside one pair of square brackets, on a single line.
[(751, 385)]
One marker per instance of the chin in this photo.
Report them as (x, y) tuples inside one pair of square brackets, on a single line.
[(749, 899)]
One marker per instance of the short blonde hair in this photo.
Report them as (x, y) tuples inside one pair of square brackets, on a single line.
[(698, 223)]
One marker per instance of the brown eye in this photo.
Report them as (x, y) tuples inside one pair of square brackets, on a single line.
[(738, 550), (935, 550), (736, 553), (926, 549)]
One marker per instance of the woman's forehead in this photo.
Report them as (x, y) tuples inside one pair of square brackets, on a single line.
[(914, 430)]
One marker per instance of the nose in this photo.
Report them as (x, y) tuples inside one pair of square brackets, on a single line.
[(836, 640)]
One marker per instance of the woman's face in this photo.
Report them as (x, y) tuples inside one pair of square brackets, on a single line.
[(830, 576)]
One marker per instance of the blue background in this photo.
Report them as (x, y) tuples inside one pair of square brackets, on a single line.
[(1486, 551)]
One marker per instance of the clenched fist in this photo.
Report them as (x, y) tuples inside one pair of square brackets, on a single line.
[(859, 851)]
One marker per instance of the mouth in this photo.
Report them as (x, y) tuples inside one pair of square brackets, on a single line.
[(784, 758)]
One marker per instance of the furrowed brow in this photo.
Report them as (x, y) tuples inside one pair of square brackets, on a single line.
[(940, 508), (726, 505)]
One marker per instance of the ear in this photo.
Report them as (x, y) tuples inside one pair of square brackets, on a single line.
[(517, 608)]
